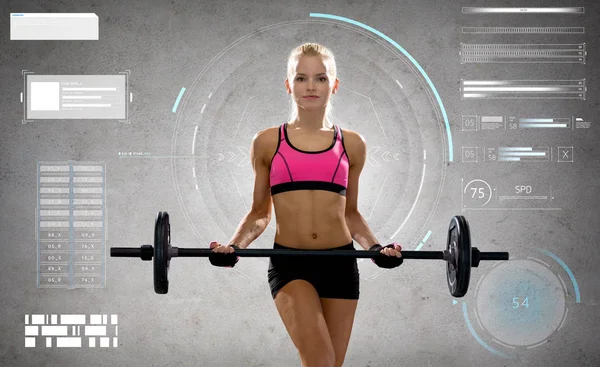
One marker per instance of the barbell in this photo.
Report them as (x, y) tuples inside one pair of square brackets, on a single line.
[(459, 255)]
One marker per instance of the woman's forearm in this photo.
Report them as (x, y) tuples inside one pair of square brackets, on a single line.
[(250, 227), (360, 231)]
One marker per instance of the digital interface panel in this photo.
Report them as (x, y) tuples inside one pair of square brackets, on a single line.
[(76, 96)]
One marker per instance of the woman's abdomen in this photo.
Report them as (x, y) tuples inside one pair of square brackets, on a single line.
[(311, 219)]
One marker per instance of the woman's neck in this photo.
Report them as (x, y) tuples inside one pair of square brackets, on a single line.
[(311, 121)]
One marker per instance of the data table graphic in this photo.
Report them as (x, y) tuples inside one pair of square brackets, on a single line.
[(70, 224)]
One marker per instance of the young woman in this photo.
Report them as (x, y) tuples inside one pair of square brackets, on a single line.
[(309, 170)]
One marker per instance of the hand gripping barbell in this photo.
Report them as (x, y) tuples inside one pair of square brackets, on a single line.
[(459, 255)]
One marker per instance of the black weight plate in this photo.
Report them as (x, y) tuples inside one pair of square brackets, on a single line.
[(458, 266), (162, 245)]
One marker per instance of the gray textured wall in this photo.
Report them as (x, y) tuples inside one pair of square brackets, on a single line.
[(236, 52)]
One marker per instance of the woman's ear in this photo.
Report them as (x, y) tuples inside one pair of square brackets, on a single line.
[(287, 86)]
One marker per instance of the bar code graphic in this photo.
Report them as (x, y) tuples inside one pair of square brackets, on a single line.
[(71, 330)]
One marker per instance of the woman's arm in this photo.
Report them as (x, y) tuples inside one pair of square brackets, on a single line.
[(256, 221), (360, 231), (250, 227), (356, 148)]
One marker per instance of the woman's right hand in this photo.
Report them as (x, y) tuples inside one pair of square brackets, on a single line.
[(223, 255)]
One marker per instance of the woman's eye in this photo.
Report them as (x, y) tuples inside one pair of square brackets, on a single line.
[(321, 78)]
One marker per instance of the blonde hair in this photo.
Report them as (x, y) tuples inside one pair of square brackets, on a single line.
[(312, 49)]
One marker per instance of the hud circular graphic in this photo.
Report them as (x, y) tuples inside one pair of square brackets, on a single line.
[(241, 91), (477, 193), (520, 303)]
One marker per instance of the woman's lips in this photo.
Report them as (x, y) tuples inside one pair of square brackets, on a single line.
[(311, 97)]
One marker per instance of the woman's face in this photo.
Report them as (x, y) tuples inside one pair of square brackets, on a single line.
[(311, 79)]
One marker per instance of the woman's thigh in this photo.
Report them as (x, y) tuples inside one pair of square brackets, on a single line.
[(300, 309), (339, 317)]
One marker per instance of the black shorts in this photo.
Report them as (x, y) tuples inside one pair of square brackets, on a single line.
[(332, 277)]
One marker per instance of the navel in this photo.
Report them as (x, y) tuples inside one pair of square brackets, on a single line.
[(314, 236)]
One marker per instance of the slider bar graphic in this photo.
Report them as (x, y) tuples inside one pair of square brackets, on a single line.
[(523, 89), (523, 30), (522, 197), (499, 122), (491, 10), (523, 53), (522, 154), (537, 123)]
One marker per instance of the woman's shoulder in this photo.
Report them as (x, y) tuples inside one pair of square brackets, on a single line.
[(267, 134), (352, 138), (265, 141), (354, 145)]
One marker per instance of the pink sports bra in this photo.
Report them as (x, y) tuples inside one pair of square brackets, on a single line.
[(295, 169)]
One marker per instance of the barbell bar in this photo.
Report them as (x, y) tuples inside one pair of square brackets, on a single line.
[(459, 255)]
